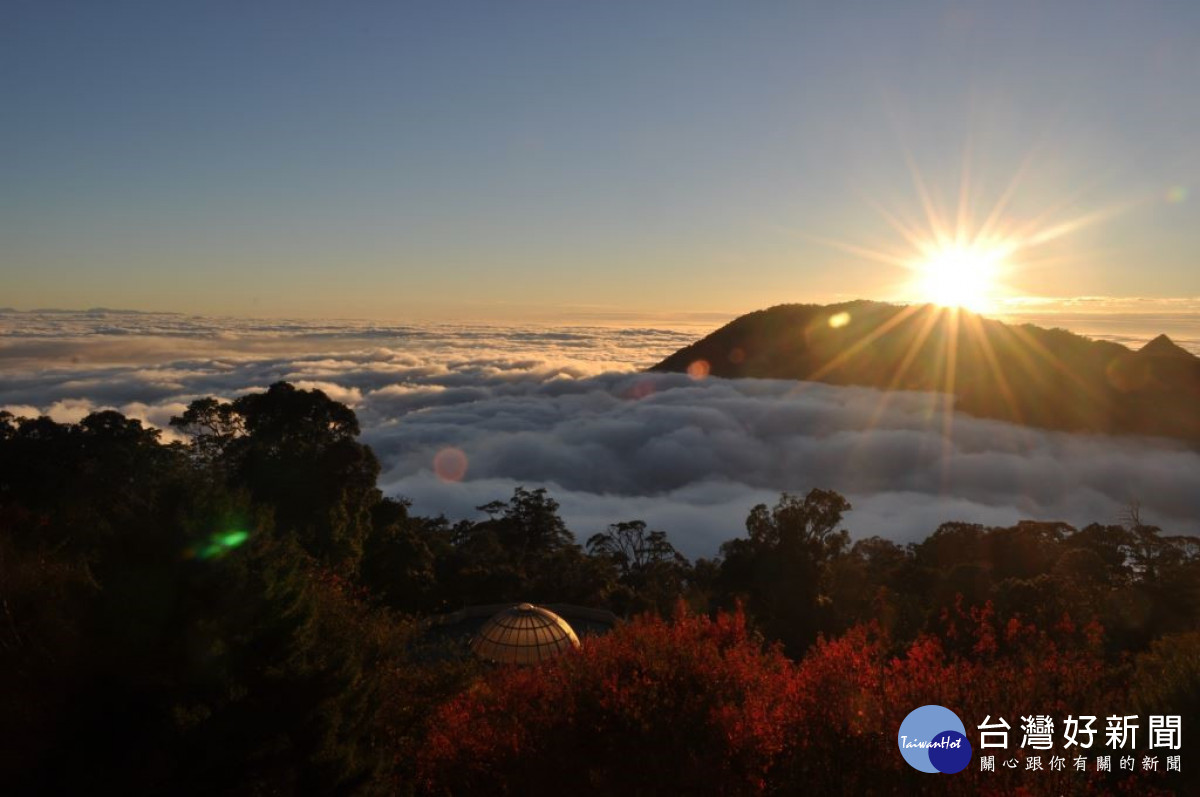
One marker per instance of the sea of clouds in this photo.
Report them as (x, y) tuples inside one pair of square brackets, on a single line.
[(567, 408)]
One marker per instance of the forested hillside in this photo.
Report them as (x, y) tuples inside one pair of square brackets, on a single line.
[(243, 612)]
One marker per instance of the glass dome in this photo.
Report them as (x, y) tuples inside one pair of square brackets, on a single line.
[(523, 634)]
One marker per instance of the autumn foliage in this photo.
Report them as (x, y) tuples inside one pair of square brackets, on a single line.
[(690, 706), (246, 613), (699, 705)]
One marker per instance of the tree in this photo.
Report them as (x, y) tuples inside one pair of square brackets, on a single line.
[(647, 564), (295, 451), (400, 558), (693, 706), (522, 552), (780, 569), (795, 523), (1166, 681), (530, 526), (159, 636), (212, 425), (633, 549), (700, 706)]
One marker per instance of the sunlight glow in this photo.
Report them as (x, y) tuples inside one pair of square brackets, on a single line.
[(959, 276), (962, 255), (960, 258)]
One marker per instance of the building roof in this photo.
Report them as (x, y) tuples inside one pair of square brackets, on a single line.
[(523, 634)]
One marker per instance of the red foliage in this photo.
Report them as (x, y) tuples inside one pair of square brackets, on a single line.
[(690, 706), (855, 695), (698, 705)]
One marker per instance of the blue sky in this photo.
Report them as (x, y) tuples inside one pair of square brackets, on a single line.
[(513, 159)]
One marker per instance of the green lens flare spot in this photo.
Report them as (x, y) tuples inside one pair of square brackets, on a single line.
[(233, 539), (219, 544)]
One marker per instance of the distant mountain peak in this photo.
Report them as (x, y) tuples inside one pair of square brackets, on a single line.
[(1162, 346), (1027, 375)]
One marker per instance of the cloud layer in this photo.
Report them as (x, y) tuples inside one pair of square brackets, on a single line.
[(565, 408)]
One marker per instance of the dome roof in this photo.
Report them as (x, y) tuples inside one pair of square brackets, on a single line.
[(524, 634)]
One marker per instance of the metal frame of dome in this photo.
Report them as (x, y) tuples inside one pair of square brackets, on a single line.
[(524, 634)]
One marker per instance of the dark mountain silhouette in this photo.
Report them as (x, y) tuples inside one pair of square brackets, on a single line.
[(1024, 374), (87, 311), (1162, 346)]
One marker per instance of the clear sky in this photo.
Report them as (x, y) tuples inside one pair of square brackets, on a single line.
[(494, 159)]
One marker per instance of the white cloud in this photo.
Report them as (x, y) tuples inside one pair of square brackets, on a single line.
[(700, 454), (350, 396), (70, 410), (567, 409)]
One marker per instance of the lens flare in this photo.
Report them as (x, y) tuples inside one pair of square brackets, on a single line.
[(450, 465), (217, 545), (699, 370), (640, 389)]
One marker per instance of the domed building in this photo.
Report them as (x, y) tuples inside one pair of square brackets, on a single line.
[(523, 634), (455, 634)]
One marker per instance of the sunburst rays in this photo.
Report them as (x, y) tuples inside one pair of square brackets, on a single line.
[(960, 260)]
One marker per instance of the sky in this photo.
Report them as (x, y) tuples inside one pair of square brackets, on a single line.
[(530, 160)]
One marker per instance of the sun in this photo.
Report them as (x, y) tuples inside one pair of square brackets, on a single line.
[(962, 276), (966, 255)]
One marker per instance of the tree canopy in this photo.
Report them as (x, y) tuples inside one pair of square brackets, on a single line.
[(244, 612)]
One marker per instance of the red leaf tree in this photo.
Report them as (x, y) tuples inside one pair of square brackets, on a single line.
[(699, 705)]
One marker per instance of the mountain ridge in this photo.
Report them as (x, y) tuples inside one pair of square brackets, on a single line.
[(1021, 373), (1163, 346)]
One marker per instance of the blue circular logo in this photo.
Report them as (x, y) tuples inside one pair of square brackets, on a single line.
[(933, 739)]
